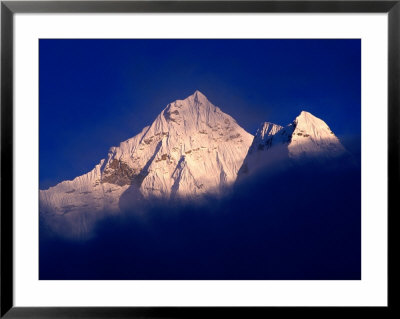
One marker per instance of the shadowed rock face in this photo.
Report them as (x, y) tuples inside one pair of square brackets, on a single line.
[(118, 173), (121, 174)]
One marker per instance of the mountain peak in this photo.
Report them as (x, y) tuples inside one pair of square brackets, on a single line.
[(193, 103), (189, 111), (306, 137), (308, 124), (312, 135), (192, 148), (308, 121), (305, 114), (197, 96)]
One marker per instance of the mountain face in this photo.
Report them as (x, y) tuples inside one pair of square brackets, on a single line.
[(192, 148), (306, 138)]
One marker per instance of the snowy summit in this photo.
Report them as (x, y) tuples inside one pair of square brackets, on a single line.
[(306, 138), (192, 148)]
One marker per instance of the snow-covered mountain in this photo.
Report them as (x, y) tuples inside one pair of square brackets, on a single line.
[(190, 149), (306, 138)]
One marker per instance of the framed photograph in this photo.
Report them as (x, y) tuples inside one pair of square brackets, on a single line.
[(196, 158)]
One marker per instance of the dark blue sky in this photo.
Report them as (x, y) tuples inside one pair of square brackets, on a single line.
[(97, 93)]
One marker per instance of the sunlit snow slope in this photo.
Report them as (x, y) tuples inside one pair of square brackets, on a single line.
[(191, 148), (306, 138)]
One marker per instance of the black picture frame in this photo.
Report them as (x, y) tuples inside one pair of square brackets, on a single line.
[(9, 8)]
